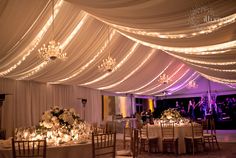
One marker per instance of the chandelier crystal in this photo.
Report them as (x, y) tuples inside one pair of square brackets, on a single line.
[(164, 79), (192, 84), (109, 63), (53, 50)]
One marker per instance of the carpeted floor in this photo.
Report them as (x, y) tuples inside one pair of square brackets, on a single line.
[(228, 150)]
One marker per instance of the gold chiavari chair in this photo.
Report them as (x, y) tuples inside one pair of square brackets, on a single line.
[(127, 133), (209, 133), (30, 148), (133, 152), (148, 139), (169, 140), (104, 145), (195, 140)]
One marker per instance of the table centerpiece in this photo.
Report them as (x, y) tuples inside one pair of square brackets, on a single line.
[(57, 125)]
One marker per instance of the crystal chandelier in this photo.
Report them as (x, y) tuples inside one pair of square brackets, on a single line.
[(164, 79), (53, 50), (192, 84), (109, 63)]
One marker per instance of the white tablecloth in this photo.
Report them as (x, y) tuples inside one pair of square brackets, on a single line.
[(62, 151), (180, 132)]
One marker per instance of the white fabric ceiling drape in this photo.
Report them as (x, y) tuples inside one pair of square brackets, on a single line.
[(148, 38)]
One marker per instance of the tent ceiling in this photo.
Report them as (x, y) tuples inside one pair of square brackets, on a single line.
[(148, 38)]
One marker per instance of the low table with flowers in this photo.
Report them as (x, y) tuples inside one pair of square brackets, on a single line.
[(66, 134), (182, 127)]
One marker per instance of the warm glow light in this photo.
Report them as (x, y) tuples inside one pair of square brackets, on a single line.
[(192, 84), (150, 104), (131, 73), (171, 84), (51, 52), (63, 45), (184, 83), (33, 71), (202, 62), (213, 69), (217, 79), (123, 106), (34, 43), (137, 89), (164, 79), (155, 87), (187, 33), (134, 47), (81, 69), (109, 63), (216, 47)]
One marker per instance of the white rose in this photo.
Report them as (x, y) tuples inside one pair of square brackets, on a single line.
[(72, 110)]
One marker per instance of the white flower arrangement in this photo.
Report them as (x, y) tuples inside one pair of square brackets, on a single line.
[(58, 125), (58, 117), (170, 114)]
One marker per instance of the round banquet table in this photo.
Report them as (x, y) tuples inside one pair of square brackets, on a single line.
[(181, 131), (62, 151)]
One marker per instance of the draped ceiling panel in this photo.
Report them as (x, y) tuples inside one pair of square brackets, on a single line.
[(148, 38)]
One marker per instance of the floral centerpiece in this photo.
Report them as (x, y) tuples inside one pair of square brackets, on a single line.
[(173, 116), (60, 118), (170, 114), (58, 125)]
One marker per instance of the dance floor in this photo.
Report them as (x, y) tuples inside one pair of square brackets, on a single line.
[(226, 138)]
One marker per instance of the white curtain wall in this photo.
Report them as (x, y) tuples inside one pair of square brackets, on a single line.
[(27, 100)]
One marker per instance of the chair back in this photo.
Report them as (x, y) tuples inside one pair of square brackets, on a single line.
[(135, 142), (29, 148), (104, 144), (197, 130), (144, 132), (127, 131), (167, 130)]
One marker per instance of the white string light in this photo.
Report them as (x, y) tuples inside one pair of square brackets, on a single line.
[(213, 69), (217, 79), (173, 83), (155, 87), (33, 71), (207, 53), (131, 73), (202, 62), (187, 33), (81, 69), (63, 45), (216, 47), (145, 85), (26, 33), (184, 83), (34, 42), (134, 47)]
